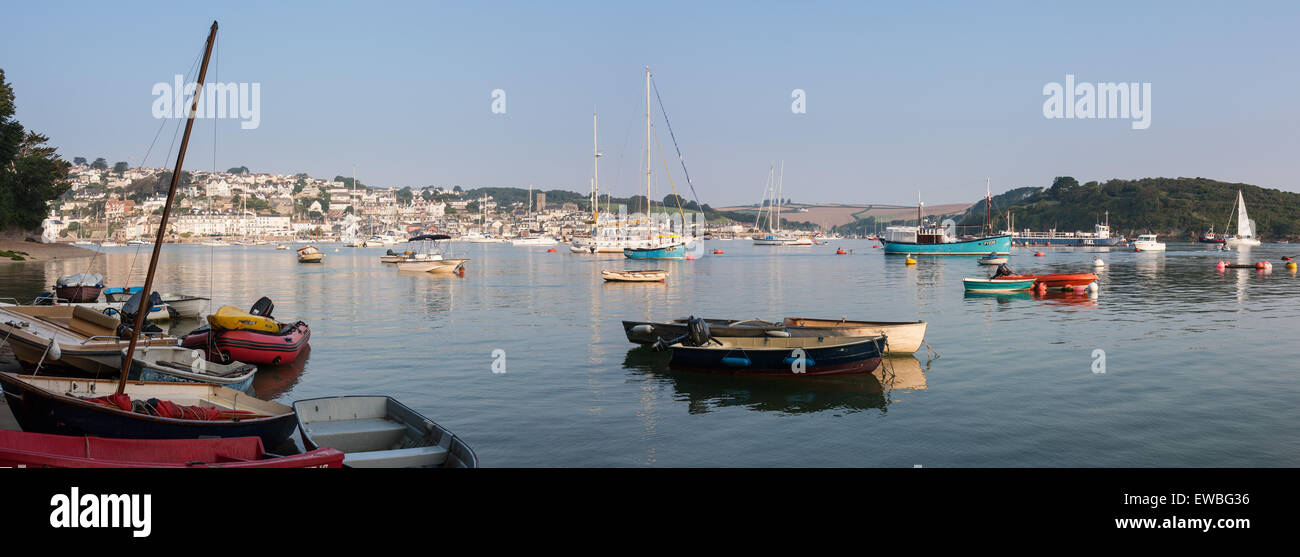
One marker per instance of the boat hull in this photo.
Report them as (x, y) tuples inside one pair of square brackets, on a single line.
[(904, 337), (1000, 245), (19, 449), (1068, 242), (78, 294), (991, 285), (41, 411), (1062, 280), (773, 357), (671, 252), (366, 428)]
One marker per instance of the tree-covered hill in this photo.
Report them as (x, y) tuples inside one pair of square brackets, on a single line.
[(1175, 207)]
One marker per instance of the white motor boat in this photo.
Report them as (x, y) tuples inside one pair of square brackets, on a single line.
[(1148, 242)]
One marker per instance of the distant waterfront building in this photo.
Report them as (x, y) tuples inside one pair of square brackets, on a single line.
[(541, 201)]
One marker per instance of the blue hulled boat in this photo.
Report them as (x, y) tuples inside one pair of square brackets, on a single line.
[(675, 251), (930, 240), (782, 357)]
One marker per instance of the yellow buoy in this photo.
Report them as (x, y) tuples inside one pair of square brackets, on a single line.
[(911, 261), (1290, 266)]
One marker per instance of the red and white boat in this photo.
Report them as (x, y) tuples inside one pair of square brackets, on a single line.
[(248, 346), (20, 449)]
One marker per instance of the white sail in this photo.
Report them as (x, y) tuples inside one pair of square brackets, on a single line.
[(1245, 228)]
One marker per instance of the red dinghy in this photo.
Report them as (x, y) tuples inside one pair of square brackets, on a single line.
[(1060, 280), (250, 347), (252, 338), (41, 450)]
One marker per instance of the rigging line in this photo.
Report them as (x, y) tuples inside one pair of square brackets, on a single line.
[(164, 120), (678, 198), (674, 138)]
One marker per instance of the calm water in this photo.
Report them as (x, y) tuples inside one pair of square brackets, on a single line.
[(1202, 368)]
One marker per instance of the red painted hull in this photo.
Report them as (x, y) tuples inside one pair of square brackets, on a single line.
[(251, 347), (1063, 280), (40, 450)]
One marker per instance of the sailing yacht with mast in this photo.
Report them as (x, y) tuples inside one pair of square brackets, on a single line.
[(658, 243), (1245, 227), (771, 206)]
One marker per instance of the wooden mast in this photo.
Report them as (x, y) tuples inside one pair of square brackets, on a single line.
[(143, 309)]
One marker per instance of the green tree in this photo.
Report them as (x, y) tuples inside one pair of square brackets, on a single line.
[(79, 160), (404, 196), (120, 168), (238, 170), (99, 164), (31, 173)]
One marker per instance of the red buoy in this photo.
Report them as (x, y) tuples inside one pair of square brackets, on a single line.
[(717, 252), (551, 250), (1039, 254)]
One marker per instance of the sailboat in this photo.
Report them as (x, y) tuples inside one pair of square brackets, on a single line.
[(147, 410), (658, 245), (1245, 228), (775, 235)]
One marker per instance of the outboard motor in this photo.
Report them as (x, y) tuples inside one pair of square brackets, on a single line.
[(697, 334), (263, 307), (133, 307)]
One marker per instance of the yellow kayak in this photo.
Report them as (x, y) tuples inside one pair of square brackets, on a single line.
[(235, 319)]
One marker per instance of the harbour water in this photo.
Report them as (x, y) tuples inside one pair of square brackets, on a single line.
[(524, 356)]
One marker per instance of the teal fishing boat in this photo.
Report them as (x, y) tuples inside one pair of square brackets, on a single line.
[(997, 285), (675, 251)]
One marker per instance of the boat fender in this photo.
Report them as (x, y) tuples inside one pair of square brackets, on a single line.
[(778, 334), (55, 352), (643, 329), (1092, 286), (1221, 265), (807, 362), (735, 361)]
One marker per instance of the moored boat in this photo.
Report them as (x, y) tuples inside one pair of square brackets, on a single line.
[(997, 285), (146, 410), (310, 254), (181, 305), (427, 256), (652, 275), (380, 432), (904, 337), (1058, 280), (1148, 242), (781, 357), (81, 287), (669, 251), (72, 336), (179, 365), (19, 449), (253, 337)]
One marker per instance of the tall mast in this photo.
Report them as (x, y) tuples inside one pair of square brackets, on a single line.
[(143, 309), (647, 142), (918, 210), (780, 195), (988, 206), (595, 173)]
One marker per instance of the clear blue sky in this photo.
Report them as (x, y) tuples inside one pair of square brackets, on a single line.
[(900, 97)]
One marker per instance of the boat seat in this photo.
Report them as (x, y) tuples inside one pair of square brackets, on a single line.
[(398, 458), (88, 322), (357, 435)]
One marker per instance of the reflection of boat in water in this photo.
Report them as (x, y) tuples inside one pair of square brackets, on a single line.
[(1001, 296), (272, 382), (841, 393)]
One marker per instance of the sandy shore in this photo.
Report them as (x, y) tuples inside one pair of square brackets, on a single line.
[(41, 252)]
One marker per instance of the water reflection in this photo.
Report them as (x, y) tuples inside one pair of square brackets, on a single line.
[(272, 382), (705, 392)]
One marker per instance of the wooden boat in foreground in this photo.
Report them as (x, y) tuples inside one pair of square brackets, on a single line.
[(905, 337), (19, 449), (66, 406), (86, 340), (380, 432), (780, 357), (652, 275)]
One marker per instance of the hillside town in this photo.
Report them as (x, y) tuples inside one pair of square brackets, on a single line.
[(124, 204)]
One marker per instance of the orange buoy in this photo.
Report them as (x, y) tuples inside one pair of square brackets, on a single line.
[(1039, 254), (1220, 266), (717, 252), (551, 250), (840, 252)]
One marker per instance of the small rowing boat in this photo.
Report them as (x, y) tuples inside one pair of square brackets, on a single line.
[(380, 432), (652, 275), (19, 449), (772, 356), (997, 285), (186, 365), (905, 337)]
